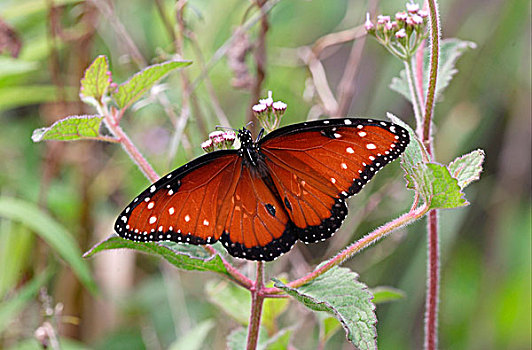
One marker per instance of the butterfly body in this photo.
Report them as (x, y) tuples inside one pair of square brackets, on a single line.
[(260, 199)]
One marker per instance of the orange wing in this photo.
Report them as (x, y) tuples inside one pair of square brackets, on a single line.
[(317, 165), (185, 205), (257, 227)]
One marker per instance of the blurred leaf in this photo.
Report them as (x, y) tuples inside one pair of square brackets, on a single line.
[(328, 326), (194, 338), (16, 246), (138, 84), (280, 340), (11, 66), (85, 127), (55, 235), (182, 258), (450, 51), (17, 96), (384, 294), (10, 308), (271, 309), (339, 293), (33, 344), (236, 340), (95, 81), (467, 168), (233, 300)]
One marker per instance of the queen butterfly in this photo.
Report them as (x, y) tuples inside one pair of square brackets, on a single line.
[(260, 199)]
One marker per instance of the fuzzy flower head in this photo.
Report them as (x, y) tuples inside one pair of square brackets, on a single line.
[(219, 140), (269, 113), (403, 35)]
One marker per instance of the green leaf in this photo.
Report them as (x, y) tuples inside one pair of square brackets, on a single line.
[(54, 234), (138, 84), (13, 66), (85, 127), (231, 299), (194, 338), (450, 51), (443, 188), (386, 294), (182, 256), (328, 327), (11, 307), (467, 168), (339, 293), (95, 81)]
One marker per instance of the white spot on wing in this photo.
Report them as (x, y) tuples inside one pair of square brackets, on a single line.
[(333, 180), (171, 211), (124, 219), (347, 122), (343, 165), (362, 133), (152, 188), (371, 146), (350, 150), (337, 135), (187, 218), (151, 205), (205, 222), (153, 219), (171, 192)]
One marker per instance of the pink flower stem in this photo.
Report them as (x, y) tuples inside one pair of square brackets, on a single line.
[(433, 278), (257, 299)]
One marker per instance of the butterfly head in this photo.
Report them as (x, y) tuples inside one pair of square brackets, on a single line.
[(245, 137)]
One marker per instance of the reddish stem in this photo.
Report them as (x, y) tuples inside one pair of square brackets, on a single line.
[(257, 299)]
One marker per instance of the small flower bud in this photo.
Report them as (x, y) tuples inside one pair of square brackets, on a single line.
[(279, 106), (417, 19), (412, 7), (216, 136), (229, 138), (401, 16), (267, 101), (383, 19), (400, 34), (368, 24), (259, 108), (423, 13), (207, 146)]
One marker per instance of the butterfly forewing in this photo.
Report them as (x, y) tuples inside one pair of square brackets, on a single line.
[(182, 206)]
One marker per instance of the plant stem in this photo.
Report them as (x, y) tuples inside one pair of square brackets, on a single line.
[(130, 148), (371, 238), (257, 299), (416, 102), (433, 278)]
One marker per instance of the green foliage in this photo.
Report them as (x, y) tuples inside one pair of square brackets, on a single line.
[(339, 293), (57, 237), (451, 50), (72, 128), (96, 80), (138, 84), (194, 339), (17, 96), (386, 294), (182, 256)]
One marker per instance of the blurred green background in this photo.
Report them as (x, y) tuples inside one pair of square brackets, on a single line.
[(144, 303)]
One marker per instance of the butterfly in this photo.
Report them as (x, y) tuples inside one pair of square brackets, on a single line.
[(260, 199)]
